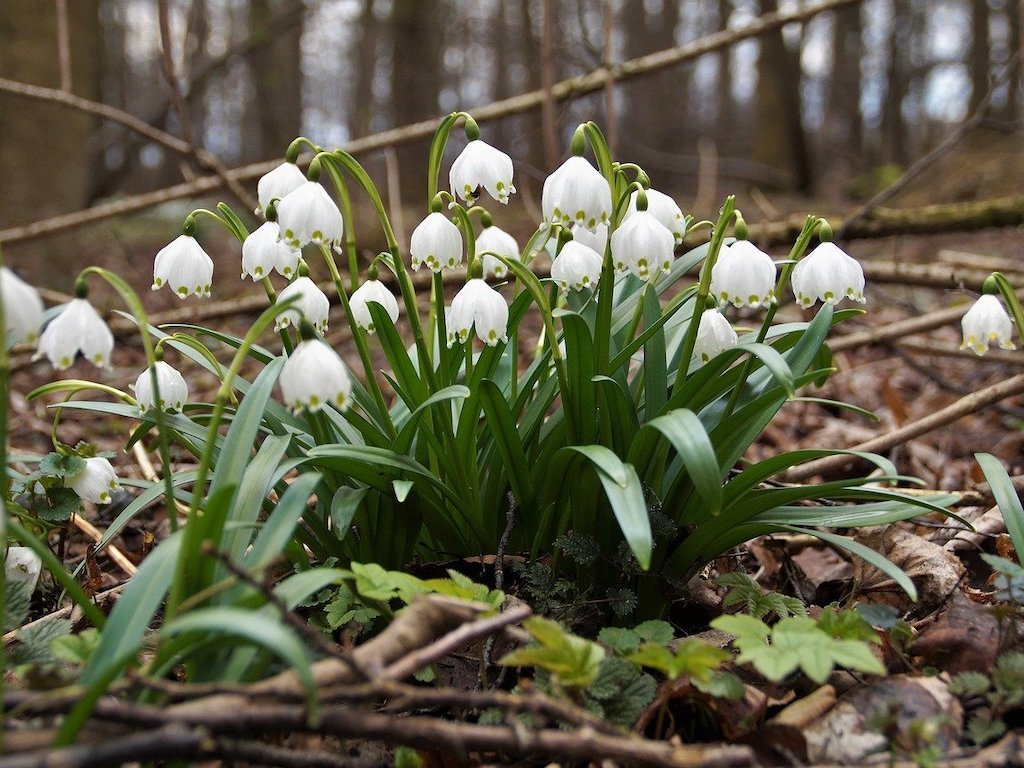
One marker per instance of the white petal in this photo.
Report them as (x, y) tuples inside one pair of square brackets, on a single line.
[(479, 305), (78, 328), (495, 240), (96, 482), (664, 209), (312, 303), (744, 275), (481, 165), (23, 308), (314, 375), (576, 193), (375, 291), (576, 266), (172, 385), (309, 215), (281, 181), (263, 251), (714, 335), (643, 246), (436, 242), (829, 275), (184, 266), (986, 321), (22, 564)]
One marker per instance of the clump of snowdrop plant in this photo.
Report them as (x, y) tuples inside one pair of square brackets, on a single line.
[(597, 398)]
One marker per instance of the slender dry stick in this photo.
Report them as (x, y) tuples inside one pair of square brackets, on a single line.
[(964, 406), (441, 647)]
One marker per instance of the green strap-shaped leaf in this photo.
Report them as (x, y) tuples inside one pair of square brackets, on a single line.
[(626, 496), (685, 431), (507, 442), (280, 525), (655, 363), (1006, 498)]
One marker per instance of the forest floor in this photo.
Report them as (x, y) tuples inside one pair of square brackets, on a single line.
[(960, 622)]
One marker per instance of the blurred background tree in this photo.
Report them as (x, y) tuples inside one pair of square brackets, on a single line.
[(825, 108)]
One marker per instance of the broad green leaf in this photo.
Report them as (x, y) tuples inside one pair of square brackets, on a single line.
[(344, 506), (280, 525), (655, 364), (572, 661), (507, 442), (626, 496), (687, 435)]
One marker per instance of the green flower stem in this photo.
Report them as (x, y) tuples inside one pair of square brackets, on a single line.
[(238, 229), (437, 147), (405, 285), (224, 221), (798, 250), (134, 304), (181, 582), (350, 230), (1012, 302), (725, 218), (439, 324), (359, 337)]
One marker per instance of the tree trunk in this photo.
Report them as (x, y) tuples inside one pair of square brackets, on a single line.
[(843, 124), (417, 44), (45, 157), (363, 68), (779, 140), (980, 62), (277, 77)]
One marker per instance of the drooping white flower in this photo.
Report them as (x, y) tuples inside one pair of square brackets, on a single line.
[(21, 564), (596, 239), (307, 214), (23, 309), (375, 291), (312, 304), (744, 275), (575, 267), (264, 251), (312, 376), (664, 209), (481, 165), (479, 305), (495, 240), (829, 274), (279, 183), (643, 246), (985, 322), (78, 328), (436, 243), (95, 482), (714, 335), (184, 266), (576, 193), (172, 386)]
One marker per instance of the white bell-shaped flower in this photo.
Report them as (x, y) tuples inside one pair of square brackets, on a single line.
[(492, 239), (22, 564), (313, 376), (828, 274), (480, 306), (985, 322), (576, 266), (96, 482), (643, 246), (278, 183), (372, 291), (184, 266), (172, 386), (311, 304), (664, 209), (576, 193), (744, 275), (596, 239), (264, 251), (481, 165), (714, 335), (309, 215), (436, 243), (23, 309), (78, 328)]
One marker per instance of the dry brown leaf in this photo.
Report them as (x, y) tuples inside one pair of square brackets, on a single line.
[(964, 638)]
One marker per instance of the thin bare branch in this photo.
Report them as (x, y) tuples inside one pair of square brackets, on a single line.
[(63, 46)]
